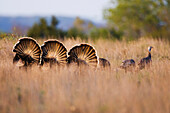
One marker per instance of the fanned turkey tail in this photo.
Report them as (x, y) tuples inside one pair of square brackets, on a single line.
[(54, 52), (27, 51), (83, 54)]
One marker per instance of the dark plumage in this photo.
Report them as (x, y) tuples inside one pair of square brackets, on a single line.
[(27, 52), (53, 52), (128, 64), (147, 60), (83, 54), (104, 63)]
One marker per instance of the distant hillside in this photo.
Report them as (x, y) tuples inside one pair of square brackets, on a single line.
[(7, 23)]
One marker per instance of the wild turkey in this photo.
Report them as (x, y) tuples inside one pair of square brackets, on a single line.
[(53, 52), (104, 63), (27, 51), (128, 64), (83, 54), (147, 60)]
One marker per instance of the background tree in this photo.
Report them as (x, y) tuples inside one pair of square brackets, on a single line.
[(44, 32), (42, 29), (164, 14), (105, 33), (76, 33), (39, 29), (54, 21), (79, 23), (53, 27), (90, 25), (78, 29), (138, 18), (34, 31)]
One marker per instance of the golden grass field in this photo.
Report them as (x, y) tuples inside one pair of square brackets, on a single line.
[(70, 90)]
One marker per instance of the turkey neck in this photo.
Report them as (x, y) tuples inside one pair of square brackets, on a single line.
[(149, 55)]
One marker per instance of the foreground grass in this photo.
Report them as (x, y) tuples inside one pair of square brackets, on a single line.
[(89, 91)]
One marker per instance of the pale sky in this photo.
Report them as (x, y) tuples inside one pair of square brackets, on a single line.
[(91, 9)]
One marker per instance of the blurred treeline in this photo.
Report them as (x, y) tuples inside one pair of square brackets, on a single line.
[(80, 29), (129, 19), (126, 19)]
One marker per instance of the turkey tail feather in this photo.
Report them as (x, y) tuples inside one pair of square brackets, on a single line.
[(83, 53), (28, 50), (55, 51)]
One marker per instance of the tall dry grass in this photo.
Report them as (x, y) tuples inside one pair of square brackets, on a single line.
[(71, 90)]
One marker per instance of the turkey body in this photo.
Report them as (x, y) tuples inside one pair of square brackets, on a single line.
[(27, 51), (146, 61), (83, 54), (128, 64), (104, 63), (53, 52)]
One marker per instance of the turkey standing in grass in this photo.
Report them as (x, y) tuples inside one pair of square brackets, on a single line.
[(27, 51), (104, 63), (83, 54), (128, 65), (147, 60), (53, 52)]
